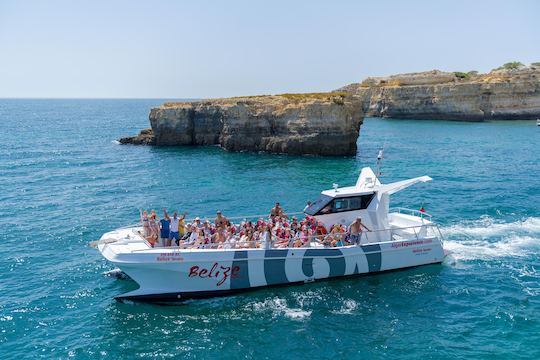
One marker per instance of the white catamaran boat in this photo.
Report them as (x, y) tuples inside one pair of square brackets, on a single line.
[(397, 239)]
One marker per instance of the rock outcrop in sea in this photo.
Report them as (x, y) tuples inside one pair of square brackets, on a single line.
[(317, 123), (328, 123), (502, 94)]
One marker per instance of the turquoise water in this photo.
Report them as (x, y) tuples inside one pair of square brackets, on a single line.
[(64, 182)]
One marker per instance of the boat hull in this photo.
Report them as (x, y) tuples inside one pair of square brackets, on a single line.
[(170, 275), (171, 298)]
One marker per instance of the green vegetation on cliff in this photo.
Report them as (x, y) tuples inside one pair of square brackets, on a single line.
[(296, 97), (465, 75), (511, 66), (338, 97)]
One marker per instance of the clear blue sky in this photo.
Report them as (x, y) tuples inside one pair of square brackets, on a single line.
[(175, 49)]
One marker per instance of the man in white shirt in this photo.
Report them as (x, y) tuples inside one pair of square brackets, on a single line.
[(174, 227)]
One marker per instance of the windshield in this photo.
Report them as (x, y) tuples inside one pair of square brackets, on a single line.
[(318, 205)]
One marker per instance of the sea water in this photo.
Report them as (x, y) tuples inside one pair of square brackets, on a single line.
[(64, 181)]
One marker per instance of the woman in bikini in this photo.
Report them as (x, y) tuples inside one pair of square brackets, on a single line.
[(145, 224), (305, 236), (336, 236)]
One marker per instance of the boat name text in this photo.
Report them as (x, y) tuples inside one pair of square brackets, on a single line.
[(217, 271), (411, 243)]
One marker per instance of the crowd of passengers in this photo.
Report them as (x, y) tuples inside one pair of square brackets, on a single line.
[(277, 231)]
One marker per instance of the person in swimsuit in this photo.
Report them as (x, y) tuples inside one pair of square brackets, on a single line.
[(336, 236), (154, 228), (355, 230), (146, 224), (277, 211), (220, 221), (297, 243), (248, 240), (221, 224), (320, 231), (305, 236), (200, 241)]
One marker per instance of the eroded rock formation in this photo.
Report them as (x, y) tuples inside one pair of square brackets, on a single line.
[(318, 124), (498, 95), (145, 137), (328, 123)]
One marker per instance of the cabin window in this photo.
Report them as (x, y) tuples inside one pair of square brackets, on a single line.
[(322, 203), (330, 206), (340, 204)]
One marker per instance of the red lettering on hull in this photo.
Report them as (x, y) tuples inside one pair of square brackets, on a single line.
[(217, 271)]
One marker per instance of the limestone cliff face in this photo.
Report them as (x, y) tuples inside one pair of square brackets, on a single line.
[(319, 124), (328, 123), (502, 94)]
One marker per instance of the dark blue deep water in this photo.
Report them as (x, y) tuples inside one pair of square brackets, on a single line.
[(63, 182)]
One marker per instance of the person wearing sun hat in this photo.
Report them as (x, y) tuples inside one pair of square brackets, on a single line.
[(197, 223)]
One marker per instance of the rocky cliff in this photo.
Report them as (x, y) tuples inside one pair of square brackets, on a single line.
[(318, 123), (504, 94), (328, 123)]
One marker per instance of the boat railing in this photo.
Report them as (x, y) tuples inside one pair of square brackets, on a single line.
[(242, 218), (413, 212), (331, 240), (405, 233)]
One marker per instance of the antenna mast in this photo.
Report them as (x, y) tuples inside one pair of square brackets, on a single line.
[(380, 156)]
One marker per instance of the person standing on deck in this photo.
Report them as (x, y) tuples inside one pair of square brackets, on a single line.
[(175, 226), (355, 230), (182, 224), (146, 224), (221, 224), (220, 221), (277, 211), (153, 221), (164, 225)]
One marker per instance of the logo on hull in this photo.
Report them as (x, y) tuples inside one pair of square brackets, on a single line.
[(219, 272)]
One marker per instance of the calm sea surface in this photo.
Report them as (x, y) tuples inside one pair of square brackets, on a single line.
[(64, 182)]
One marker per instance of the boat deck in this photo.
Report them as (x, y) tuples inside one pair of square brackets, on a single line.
[(403, 225)]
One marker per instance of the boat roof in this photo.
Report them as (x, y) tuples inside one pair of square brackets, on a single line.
[(346, 191), (368, 183)]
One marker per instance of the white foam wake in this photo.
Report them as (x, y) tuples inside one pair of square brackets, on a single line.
[(279, 307), (488, 238)]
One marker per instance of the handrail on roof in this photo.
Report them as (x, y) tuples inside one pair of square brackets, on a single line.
[(421, 214)]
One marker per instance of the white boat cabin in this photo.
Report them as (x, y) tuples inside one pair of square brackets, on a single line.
[(369, 200)]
